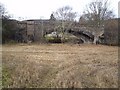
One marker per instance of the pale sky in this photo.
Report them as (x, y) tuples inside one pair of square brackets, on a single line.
[(36, 9)]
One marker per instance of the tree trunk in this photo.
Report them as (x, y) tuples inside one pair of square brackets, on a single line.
[(95, 40)]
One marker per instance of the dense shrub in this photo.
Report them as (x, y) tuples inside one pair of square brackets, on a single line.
[(111, 32), (53, 39), (9, 28)]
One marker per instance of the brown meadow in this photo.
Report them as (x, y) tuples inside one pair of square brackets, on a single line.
[(60, 65)]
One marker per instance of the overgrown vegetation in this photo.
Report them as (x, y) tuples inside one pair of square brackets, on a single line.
[(61, 65), (9, 27), (111, 32)]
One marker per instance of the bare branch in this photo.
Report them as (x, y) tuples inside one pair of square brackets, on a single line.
[(97, 12)]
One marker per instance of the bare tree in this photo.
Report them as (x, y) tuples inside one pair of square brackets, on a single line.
[(95, 15), (2, 9), (3, 12), (66, 16), (98, 11), (65, 13)]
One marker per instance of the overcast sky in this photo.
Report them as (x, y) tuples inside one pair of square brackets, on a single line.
[(36, 9)]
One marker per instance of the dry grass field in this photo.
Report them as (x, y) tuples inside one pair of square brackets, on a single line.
[(60, 65)]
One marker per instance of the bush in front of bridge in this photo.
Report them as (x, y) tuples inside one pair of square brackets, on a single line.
[(52, 39)]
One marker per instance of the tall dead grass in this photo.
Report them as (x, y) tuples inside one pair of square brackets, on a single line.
[(59, 65)]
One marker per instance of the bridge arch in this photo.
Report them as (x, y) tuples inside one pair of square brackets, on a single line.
[(85, 36)]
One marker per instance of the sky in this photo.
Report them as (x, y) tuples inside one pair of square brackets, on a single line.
[(42, 9)]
